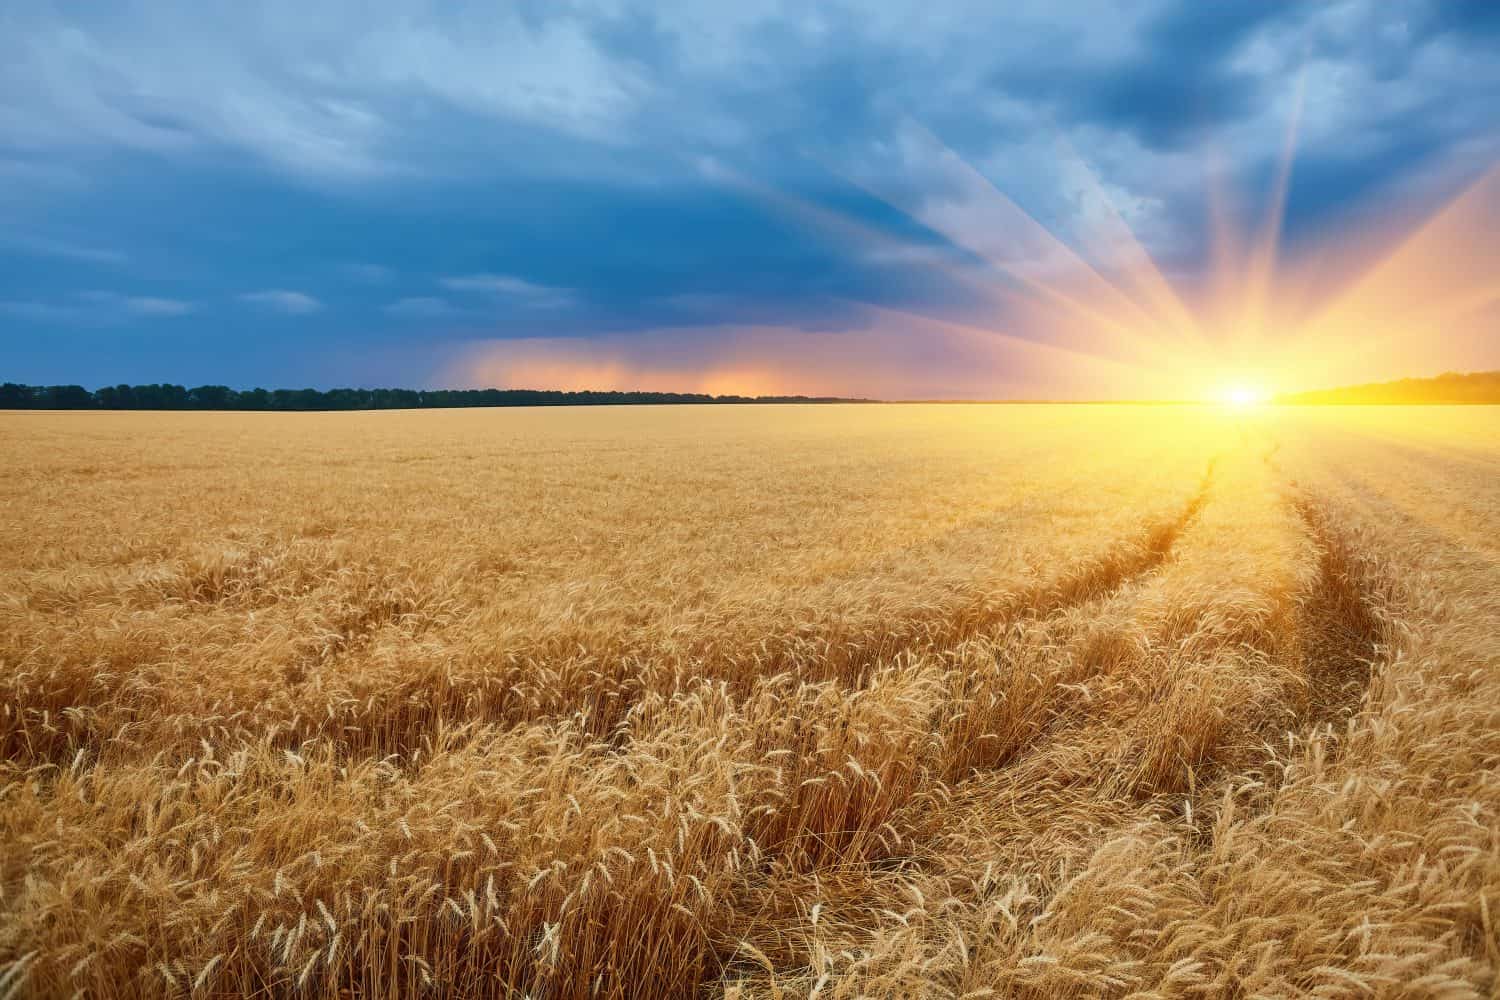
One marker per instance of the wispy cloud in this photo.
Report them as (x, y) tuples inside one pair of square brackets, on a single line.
[(422, 307), (42, 246), (152, 306), (695, 302), (517, 290), (97, 307), (283, 300), (42, 312), (370, 274), (344, 115)]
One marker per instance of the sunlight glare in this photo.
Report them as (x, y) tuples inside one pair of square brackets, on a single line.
[(1243, 396)]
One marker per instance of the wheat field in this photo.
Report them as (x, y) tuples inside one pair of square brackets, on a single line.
[(929, 701)]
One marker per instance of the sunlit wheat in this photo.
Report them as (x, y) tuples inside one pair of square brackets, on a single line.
[(890, 701)]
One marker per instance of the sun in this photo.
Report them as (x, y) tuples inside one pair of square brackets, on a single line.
[(1243, 396)]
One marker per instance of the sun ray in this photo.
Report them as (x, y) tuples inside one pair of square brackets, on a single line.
[(1441, 271), (1264, 322), (1221, 299), (1051, 313), (1135, 262), (1051, 352), (994, 228), (1260, 271)]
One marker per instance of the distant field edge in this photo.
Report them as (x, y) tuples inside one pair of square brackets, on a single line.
[(1448, 389), (165, 396)]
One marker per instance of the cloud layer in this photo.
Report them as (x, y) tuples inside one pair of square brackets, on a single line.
[(417, 184)]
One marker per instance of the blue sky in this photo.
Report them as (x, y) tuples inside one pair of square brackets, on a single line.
[(750, 196)]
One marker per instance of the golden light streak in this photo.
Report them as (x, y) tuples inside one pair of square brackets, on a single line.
[(1081, 303), (1131, 258), (1261, 267), (1047, 317), (1227, 254), (861, 234), (1100, 377), (1448, 267)]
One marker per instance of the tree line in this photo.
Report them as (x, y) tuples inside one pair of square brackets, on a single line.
[(165, 396)]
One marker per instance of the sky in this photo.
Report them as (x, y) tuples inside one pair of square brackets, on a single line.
[(903, 200)]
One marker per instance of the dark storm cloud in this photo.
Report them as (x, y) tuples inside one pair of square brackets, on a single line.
[(1177, 82)]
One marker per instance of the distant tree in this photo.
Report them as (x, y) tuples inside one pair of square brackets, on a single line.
[(212, 397), (65, 397), (116, 397), (160, 396), (16, 397)]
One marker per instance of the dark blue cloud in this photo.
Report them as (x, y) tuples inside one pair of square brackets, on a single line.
[(1185, 81), (1467, 21), (1178, 83)]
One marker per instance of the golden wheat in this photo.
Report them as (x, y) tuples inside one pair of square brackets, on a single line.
[(950, 701)]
